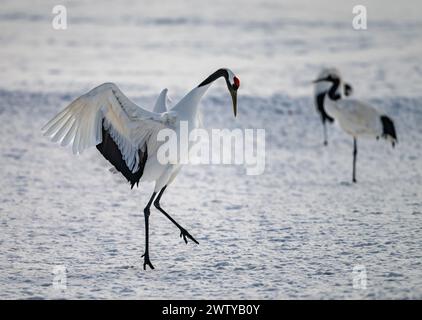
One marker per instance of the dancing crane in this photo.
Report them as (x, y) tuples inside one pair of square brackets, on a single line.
[(126, 135)]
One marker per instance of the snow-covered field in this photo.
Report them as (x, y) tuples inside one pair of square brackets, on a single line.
[(296, 231)]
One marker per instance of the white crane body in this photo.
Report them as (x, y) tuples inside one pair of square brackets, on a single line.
[(126, 134)]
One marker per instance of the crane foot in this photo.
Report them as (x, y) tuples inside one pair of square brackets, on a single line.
[(147, 262), (185, 234)]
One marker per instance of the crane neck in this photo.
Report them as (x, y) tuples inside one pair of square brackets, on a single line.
[(188, 106), (332, 93)]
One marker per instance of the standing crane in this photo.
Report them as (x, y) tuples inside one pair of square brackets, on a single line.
[(355, 117)]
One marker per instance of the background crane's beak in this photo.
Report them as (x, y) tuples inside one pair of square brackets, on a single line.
[(317, 80), (234, 99)]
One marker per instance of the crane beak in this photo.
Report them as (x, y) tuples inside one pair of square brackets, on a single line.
[(233, 93), (318, 80)]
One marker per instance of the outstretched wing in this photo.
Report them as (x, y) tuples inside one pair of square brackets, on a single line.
[(104, 117), (161, 103)]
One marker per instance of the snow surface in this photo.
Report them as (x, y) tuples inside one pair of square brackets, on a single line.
[(297, 231)]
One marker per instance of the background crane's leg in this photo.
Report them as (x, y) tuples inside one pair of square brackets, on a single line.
[(325, 132), (355, 152), (183, 232), (146, 214)]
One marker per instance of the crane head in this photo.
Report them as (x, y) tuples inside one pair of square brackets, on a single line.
[(329, 78), (233, 83)]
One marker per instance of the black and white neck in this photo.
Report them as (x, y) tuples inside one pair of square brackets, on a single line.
[(333, 92), (187, 107), (227, 74)]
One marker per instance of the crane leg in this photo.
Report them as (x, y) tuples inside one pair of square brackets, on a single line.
[(183, 233), (355, 153), (146, 215), (325, 133)]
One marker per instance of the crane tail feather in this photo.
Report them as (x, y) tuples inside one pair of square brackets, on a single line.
[(388, 129)]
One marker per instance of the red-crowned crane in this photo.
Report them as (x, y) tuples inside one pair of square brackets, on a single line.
[(126, 135), (355, 117)]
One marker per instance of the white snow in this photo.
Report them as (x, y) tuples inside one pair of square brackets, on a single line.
[(297, 231)]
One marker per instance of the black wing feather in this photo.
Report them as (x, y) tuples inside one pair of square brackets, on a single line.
[(111, 152)]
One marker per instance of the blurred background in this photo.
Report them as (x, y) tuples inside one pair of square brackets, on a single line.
[(273, 45)]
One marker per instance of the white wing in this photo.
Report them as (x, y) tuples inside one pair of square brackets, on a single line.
[(106, 118), (358, 117), (161, 103)]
